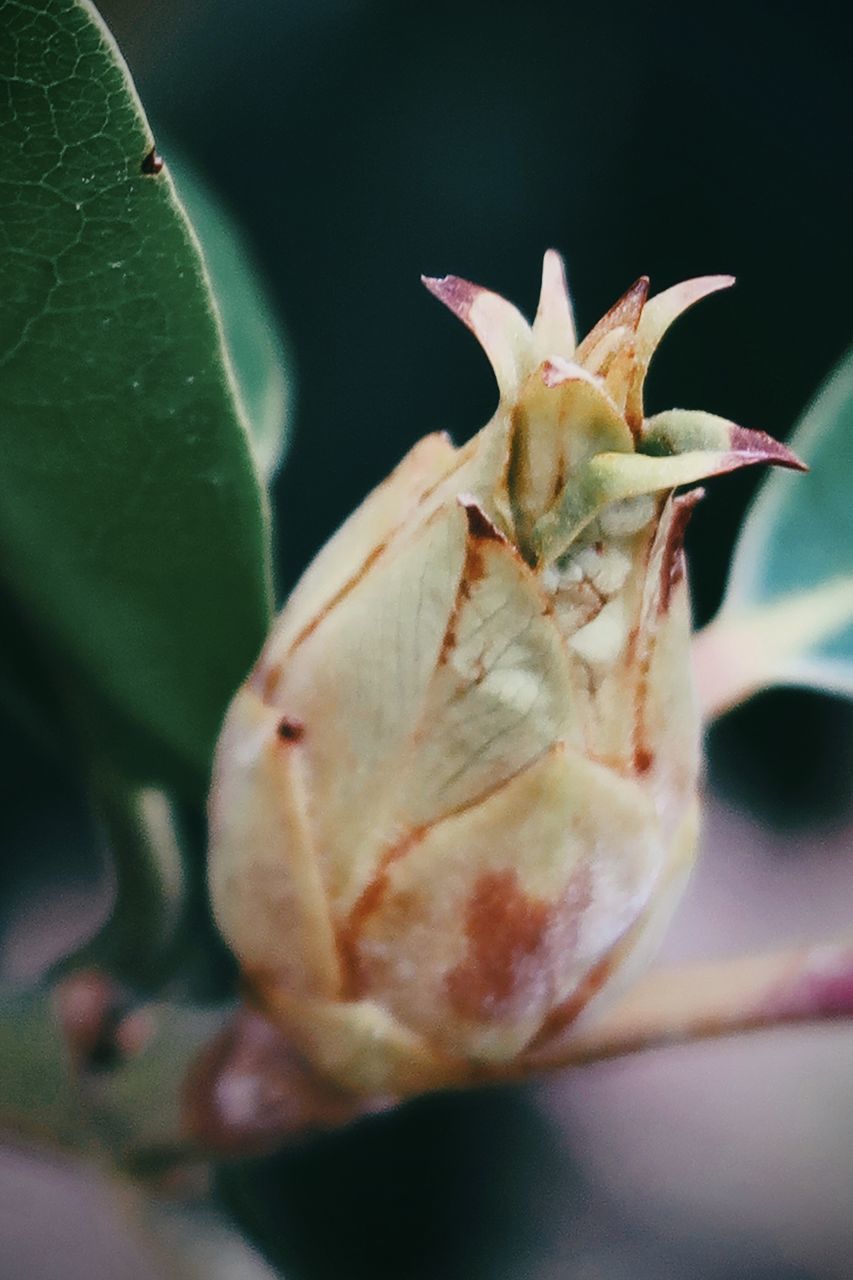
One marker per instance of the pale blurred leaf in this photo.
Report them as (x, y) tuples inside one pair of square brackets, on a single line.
[(787, 617)]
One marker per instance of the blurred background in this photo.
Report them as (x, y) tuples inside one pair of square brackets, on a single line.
[(359, 143)]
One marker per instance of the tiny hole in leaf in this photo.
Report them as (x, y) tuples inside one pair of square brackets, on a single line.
[(152, 163)]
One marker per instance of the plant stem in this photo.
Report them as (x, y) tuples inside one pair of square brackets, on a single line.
[(701, 1002)]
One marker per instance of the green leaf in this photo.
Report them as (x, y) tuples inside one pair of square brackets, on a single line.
[(133, 526), (787, 617), (259, 355)]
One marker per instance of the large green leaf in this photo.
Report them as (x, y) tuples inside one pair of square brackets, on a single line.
[(787, 617), (133, 528)]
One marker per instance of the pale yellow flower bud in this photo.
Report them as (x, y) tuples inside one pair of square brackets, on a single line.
[(456, 798)]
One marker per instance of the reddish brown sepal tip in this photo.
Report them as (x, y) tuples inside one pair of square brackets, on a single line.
[(454, 292), (628, 309), (758, 446), (640, 288)]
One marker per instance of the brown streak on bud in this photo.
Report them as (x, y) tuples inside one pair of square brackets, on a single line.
[(480, 531), (369, 900), (559, 479), (672, 562), (504, 927), (639, 659), (475, 568), (448, 644), (561, 1018), (350, 584)]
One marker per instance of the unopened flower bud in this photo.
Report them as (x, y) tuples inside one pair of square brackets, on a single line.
[(456, 798)]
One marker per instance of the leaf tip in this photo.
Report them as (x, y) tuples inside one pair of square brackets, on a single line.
[(456, 294)]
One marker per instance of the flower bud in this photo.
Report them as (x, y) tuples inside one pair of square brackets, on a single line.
[(456, 797)]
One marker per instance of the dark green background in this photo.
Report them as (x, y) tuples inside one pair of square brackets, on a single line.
[(362, 142)]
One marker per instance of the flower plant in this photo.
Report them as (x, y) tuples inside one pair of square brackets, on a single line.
[(455, 781)]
